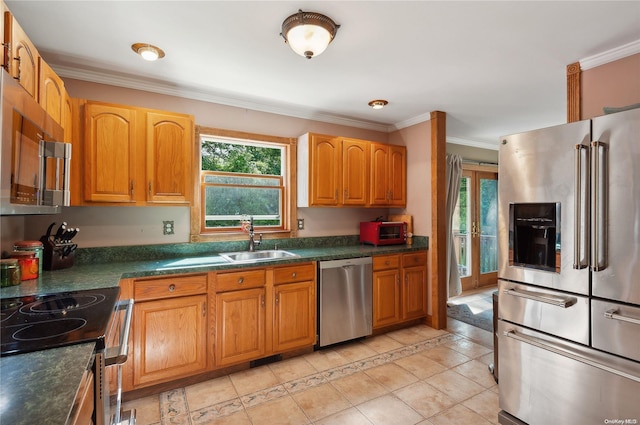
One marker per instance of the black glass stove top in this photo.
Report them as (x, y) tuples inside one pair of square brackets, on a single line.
[(38, 322)]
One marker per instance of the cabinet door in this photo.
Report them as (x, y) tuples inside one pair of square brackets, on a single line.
[(355, 176), (51, 93), (240, 326), (397, 179), (169, 158), (325, 171), (294, 324), (170, 339), (414, 292), (379, 175), (23, 63), (109, 153), (386, 298)]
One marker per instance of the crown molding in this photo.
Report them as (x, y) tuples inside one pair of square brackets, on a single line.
[(129, 82), (411, 121), (472, 143), (610, 55)]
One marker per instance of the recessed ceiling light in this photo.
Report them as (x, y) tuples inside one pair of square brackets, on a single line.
[(378, 103), (147, 51)]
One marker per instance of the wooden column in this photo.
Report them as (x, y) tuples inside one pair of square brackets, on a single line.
[(573, 92), (438, 240)]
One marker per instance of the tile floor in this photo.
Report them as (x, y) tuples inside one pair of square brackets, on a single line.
[(416, 375)]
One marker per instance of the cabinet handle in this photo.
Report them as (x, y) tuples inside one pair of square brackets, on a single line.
[(172, 287), (149, 188), (17, 77), (132, 188), (346, 194), (277, 299), (241, 281), (204, 309), (262, 300)]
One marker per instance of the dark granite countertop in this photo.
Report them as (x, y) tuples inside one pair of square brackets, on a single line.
[(45, 382)]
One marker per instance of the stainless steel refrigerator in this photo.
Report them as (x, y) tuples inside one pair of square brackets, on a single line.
[(569, 273)]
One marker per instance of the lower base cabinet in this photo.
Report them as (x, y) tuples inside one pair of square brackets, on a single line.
[(399, 288)]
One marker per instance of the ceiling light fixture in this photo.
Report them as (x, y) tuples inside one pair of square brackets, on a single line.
[(148, 51), (378, 104), (308, 33)]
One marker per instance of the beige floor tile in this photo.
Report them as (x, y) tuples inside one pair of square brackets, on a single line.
[(321, 401), (473, 333), (252, 380), (486, 359), (325, 359), (359, 387), (210, 392), (420, 366), (238, 418), (446, 356), (485, 404), (283, 411), (355, 351), (459, 415), (425, 399), (391, 376), (477, 372), (428, 332), (290, 369), (351, 416), (387, 410), (406, 336), (454, 385), (147, 409), (468, 348), (382, 343)]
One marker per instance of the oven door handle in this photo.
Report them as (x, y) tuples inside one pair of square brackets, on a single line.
[(564, 302), (118, 354), (537, 342)]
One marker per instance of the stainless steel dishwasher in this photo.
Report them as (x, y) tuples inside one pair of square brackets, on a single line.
[(345, 300)]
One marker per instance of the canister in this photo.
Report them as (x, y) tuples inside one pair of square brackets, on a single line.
[(35, 246), (9, 272), (28, 264)]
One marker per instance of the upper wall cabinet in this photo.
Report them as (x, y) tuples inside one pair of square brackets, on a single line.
[(52, 94), (23, 56), (388, 175), (337, 171), (136, 156)]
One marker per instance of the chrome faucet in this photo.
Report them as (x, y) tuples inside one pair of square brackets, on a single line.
[(253, 243)]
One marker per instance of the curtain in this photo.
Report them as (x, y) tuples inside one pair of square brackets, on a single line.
[(454, 175)]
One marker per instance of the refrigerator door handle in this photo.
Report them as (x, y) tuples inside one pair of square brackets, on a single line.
[(564, 302), (613, 314), (581, 219), (599, 208)]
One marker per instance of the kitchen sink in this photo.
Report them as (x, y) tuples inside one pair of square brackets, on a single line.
[(255, 256)]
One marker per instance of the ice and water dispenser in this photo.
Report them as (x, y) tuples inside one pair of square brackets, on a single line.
[(534, 235)]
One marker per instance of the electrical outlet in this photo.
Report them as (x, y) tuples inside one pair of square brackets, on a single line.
[(167, 227), (300, 223)]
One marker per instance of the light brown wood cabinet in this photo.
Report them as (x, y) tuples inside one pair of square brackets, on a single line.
[(388, 176), (338, 171), (169, 330), (399, 288), (261, 312), (51, 92), (23, 56), (136, 156)]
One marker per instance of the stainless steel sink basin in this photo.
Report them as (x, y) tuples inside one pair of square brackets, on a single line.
[(255, 256)]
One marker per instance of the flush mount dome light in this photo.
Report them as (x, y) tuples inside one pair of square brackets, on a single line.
[(147, 51), (378, 104), (308, 33)]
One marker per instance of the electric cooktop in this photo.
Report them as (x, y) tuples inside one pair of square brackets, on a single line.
[(38, 322)]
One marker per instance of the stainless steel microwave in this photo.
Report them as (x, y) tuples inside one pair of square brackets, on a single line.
[(34, 164)]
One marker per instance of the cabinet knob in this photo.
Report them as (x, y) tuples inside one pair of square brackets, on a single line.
[(293, 274), (172, 287), (241, 280), (386, 263)]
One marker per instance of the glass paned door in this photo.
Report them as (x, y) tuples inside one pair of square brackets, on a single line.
[(475, 229)]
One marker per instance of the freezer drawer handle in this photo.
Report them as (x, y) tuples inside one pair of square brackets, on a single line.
[(613, 314), (118, 354), (536, 342), (563, 302)]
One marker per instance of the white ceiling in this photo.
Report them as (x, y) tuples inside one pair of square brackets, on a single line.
[(495, 68)]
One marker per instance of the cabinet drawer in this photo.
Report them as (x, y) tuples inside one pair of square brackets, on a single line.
[(169, 287), (244, 279), (298, 273), (385, 262), (414, 259)]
